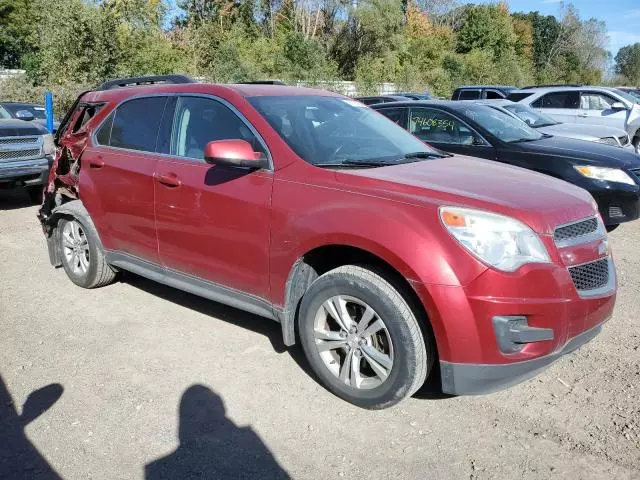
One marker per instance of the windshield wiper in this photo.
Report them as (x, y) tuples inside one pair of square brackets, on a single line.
[(520, 140), (409, 156), (354, 164)]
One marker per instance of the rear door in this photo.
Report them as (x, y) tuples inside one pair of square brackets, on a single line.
[(116, 179), (562, 105), (595, 109), (213, 221), (447, 132)]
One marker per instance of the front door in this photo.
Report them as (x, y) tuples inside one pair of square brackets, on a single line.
[(116, 178), (596, 109), (448, 133), (212, 221)]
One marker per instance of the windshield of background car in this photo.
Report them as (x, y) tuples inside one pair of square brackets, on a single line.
[(500, 124), (37, 111), (3, 113), (530, 116), (629, 96), (332, 130)]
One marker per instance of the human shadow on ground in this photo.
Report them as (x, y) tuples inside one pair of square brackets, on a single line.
[(212, 446), (19, 458)]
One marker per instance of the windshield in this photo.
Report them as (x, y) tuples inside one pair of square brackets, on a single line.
[(500, 124), (37, 111), (337, 131), (632, 96), (530, 116)]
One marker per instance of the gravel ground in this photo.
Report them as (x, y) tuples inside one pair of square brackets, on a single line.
[(143, 381)]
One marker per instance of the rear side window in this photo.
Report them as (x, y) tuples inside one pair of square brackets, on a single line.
[(88, 112), (493, 95), (397, 115), (558, 100), (136, 122), (516, 97), (469, 95), (104, 132)]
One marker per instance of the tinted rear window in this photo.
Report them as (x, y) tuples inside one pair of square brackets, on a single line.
[(469, 95), (136, 124), (516, 97), (558, 100)]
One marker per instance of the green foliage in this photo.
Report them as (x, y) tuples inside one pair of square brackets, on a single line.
[(628, 63), (432, 45)]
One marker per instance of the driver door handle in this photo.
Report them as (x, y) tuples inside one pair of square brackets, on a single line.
[(583, 115), (96, 163), (170, 180)]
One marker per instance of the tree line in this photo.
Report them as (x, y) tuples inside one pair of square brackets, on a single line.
[(418, 44)]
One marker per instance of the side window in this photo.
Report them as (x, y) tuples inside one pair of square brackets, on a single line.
[(398, 115), (136, 122), (439, 127), (469, 95), (558, 100), (103, 136), (493, 95), (199, 121), (596, 101)]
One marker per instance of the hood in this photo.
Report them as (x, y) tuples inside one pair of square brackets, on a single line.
[(19, 128), (580, 151), (582, 131), (540, 201)]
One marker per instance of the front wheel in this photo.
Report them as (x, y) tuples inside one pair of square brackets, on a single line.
[(362, 339)]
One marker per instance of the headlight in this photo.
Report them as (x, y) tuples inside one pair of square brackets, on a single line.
[(502, 242), (48, 145), (604, 173), (608, 141)]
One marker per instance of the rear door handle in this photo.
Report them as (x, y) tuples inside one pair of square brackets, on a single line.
[(170, 180), (582, 115)]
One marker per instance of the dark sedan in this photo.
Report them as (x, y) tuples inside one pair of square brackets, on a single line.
[(611, 175)]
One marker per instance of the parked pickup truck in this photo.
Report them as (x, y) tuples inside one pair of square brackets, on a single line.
[(388, 260), (26, 153)]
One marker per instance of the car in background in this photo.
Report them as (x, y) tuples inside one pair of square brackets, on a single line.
[(378, 253), (27, 111), (381, 99), (26, 154), (415, 96), (482, 92), (586, 105), (545, 124), (611, 175), (633, 91)]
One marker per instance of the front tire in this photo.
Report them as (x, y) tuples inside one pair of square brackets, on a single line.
[(81, 255), (362, 339)]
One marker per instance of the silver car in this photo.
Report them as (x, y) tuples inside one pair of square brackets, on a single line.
[(545, 124), (586, 105)]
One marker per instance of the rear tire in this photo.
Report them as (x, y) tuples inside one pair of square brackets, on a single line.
[(81, 255), (362, 339)]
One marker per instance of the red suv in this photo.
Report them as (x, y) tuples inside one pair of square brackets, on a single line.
[(387, 259)]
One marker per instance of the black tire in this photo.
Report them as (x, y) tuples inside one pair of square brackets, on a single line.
[(413, 355), (35, 193), (98, 273), (611, 228)]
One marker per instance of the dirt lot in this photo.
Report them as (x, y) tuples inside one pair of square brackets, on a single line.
[(153, 383)]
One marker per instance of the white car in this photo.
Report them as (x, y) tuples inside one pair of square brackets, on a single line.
[(586, 105), (545, 124)]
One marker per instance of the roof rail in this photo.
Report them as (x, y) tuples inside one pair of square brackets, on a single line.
[(150, 80), (263, 82), (553, 85)]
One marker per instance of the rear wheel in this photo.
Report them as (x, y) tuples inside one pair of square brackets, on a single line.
[(82, 257), (362, 339)]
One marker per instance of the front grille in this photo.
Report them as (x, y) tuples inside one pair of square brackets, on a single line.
[(18, 140), (590, 276), (577, 229), (624, 140), (33, 152)]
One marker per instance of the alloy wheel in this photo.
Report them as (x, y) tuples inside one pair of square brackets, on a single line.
[(353, 342), (75, 247)]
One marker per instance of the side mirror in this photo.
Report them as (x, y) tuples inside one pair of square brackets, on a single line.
[(25, 115), (235, 153), (618, 106)]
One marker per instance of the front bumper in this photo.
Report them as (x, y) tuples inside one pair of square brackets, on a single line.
[(477, 378), (619, 205), (27, 172)]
